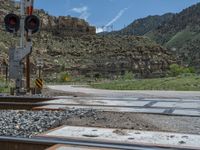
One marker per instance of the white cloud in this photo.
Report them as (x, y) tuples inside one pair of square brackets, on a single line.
[(117, 17), (99, 30), (83, 11), (80, 9)]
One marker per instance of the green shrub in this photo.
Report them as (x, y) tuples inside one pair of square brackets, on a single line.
[(192, 70), (176, 70), (128, 76)]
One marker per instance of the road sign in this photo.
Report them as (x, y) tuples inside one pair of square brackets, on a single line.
[(39, 83), (40, 63)]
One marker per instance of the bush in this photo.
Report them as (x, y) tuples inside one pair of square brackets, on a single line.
[(176, 70), (64, 77), (128, 76), (192, 70)]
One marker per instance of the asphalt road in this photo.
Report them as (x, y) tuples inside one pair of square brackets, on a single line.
[(152, 102), (122, 93)]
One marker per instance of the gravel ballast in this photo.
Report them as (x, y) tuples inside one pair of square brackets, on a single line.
[(30, 123)]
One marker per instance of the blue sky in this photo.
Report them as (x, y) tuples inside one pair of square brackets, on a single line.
[(116, 13)]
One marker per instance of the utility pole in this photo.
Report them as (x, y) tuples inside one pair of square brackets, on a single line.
[(29, 11)]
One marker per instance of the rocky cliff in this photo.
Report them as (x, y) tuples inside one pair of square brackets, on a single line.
[(103, 55), (64, 24)]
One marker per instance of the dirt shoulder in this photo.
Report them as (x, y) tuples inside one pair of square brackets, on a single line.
[(51, 92)]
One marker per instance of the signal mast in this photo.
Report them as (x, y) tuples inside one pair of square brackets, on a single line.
[(28, 24)]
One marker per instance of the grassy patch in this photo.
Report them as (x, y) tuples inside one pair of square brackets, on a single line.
[(180, 38), (4, 87), (181, 83)]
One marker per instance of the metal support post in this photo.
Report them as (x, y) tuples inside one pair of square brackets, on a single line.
[(29, 11), (19, 77), (28, 73), (20, 73), (6, 74), (22, 13), (40, 72)]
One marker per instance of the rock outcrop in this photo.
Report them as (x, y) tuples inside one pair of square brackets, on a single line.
[(104, 55), (65, 24)]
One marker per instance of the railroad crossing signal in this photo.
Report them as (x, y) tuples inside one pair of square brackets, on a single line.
[(30, 23), (12, 23)]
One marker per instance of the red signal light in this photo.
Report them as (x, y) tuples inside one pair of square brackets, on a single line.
[(12, 23), (32, 24)]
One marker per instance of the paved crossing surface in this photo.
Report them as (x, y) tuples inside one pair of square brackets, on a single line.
[(141, 105), (123, 136), (170, 103)]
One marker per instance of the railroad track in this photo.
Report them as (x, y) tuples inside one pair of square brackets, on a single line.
[(47, 106), (174, 107), (41, 143), (15, 143), (25, 99), (44, 106), (22, 102), (19, 105)]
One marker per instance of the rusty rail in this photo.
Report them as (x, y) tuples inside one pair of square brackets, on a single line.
[(24, 99), (22, 102), (16, 143)]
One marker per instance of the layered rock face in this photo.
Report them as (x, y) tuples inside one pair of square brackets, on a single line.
[(104, 55), (65, 24)]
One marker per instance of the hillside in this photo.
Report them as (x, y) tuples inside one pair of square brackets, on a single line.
[(142, 26), (180, 33), (185, 22), (70, 44)]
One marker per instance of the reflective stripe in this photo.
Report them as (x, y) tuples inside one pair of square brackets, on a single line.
[(39, 83)]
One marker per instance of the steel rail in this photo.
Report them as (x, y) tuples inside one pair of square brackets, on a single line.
[(178, 100), (50, 141), (25, 99), (19, 105), (88, 105), (37, 105), (114, 106)]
